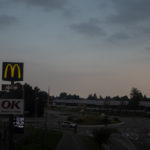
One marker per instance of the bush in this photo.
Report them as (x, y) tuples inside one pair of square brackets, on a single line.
[(116, 119), (102, 135), (70, 118), (78, 121)]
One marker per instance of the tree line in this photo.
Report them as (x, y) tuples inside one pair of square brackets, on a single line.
[(35, 100), (134, 94), (133, 100)]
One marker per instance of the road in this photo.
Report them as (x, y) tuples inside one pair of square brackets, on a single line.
[(71, 141), (117, 142)]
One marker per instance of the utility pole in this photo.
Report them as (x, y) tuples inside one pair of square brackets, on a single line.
[(46, 110), (48, 103)]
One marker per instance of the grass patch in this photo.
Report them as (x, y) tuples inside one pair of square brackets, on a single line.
[(93, 119), (99, 139), (40, 139)]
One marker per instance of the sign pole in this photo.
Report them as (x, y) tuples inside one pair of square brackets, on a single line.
[(12, 71), (11, 144)]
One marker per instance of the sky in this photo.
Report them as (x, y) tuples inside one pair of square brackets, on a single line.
[(78, 46)]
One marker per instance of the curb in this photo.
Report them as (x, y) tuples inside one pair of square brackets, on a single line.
[(100, 126)]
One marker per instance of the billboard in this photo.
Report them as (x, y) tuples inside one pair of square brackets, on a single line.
[(12, 71), (11, 106)]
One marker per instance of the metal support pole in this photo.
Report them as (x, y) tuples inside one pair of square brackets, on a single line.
[(11, 144)]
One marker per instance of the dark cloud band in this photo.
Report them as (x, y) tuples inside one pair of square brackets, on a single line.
[(47, 5), (90, 28), (6, 20)]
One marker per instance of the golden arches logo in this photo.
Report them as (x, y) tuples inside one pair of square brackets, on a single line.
[(12, 68)]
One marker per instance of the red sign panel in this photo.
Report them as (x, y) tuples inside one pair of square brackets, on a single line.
[(11, 106)]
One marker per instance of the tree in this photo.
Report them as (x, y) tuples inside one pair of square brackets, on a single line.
[(102, 135), (35, 100), (100, 97), (123, 100), (135, 97), (145, 98), (116, 98), (63, 95), (43, 97), (108, 98), (29, 99), (92, 97)]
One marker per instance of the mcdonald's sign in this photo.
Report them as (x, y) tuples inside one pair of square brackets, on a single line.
[(12, 71)]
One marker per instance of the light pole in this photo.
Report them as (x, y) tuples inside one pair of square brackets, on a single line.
[(36, 109)]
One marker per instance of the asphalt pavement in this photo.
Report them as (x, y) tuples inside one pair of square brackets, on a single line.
[(71, 141), (117, 142)]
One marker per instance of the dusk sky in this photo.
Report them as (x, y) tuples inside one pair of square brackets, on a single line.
[(79, 46)]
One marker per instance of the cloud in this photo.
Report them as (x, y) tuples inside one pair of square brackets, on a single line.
[(130, 12), (69, 14), (147, 49), (128, 19), (118, 37), (47, 5), (6, 20), (90, 28)]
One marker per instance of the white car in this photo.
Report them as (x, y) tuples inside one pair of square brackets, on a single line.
[(68, 124)]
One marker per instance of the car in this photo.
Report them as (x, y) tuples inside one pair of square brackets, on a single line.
[(68, 124)]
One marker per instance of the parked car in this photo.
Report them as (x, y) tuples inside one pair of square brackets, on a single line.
[(68, 124)]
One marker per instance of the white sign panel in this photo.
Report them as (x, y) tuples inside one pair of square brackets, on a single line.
[(11, 106)]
